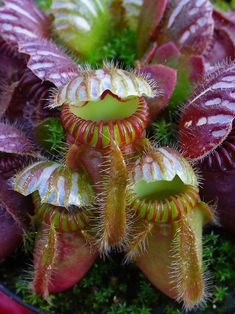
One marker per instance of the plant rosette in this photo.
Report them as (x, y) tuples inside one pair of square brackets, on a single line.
[(111, 190), (65, 200)]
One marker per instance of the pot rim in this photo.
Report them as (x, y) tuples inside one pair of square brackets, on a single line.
[(18, 300)]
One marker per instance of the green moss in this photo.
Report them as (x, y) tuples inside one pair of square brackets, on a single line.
[(22, 288), (44, 4), (111, 287), (165, 129), (121, 48), (224, 5), (29, 240), (50, 136)]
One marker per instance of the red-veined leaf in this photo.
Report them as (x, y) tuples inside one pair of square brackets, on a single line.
[(167, 52), (170, 55), (28, 104), (188, 23), (12, 66), (218, 187), (13, 211), (14, 141), (223, 45), (48, 62), (208, 117), (225, 21), (165, 78), (22, 20)]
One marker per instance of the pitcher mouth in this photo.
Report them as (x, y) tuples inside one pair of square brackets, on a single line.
[(178, 200), (164, 187), (98, 123), (109, 108)]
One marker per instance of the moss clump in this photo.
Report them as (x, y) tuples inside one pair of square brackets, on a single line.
[(224, 5), (165, 130), (113, 288), (50, 135), (121, 48), (44, 4)]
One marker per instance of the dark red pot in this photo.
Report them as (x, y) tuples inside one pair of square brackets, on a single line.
[(12, 304)]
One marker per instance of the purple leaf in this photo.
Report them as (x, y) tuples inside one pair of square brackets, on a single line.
[(166, 53), (165, 78), (150, 16), (218, 187), (10, 164), (12, 66), (10, 234), (225, 21), (188, 23), (170, 55), (197, 68), (29, 102), (223, 45), (218, 170), (22, 20), (208, 117), (48, 62), (13, 212), (14, 141)]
